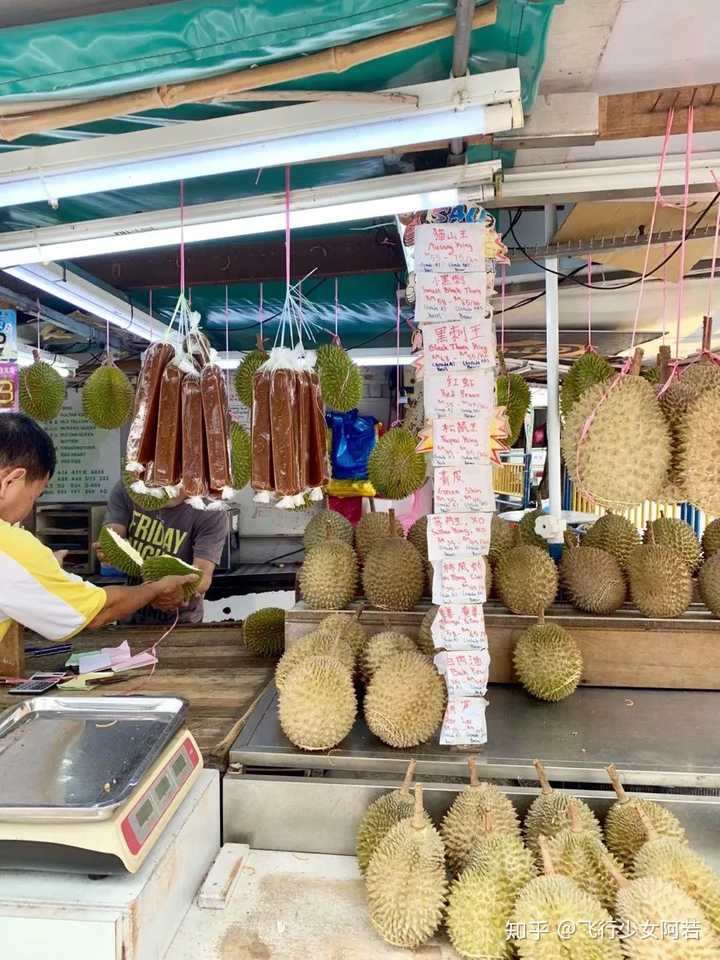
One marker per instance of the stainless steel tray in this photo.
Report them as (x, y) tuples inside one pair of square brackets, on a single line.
[(78, 758)]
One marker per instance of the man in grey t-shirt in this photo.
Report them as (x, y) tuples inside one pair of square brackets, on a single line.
[(195, 536)]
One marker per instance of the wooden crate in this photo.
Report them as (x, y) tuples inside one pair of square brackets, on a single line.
[(621, 650)]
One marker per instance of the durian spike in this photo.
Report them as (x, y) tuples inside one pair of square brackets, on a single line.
[(650, 831), (617, 784), (663, 363), (408, 778), (574, 815), (636, 364), (418, 820), (542, 777), (548, 866)]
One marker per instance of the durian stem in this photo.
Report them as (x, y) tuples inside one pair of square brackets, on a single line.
[(418, 820), (502, 364), (663, 362), (548, 866), (707, 334), (574, 816), (636, 364), (391, 521), (260, 343), (542, 777), (472, 767), (361, 610), (650, 831), (620, 879), (488, 822), (616, 783), (408, 779), (541, 617)]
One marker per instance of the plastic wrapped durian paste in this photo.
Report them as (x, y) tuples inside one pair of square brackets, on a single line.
[(143, 427)]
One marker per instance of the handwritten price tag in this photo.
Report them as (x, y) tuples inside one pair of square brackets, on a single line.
[(464, 722), (460, 580), (468, 394), (450, 248), (460, 626), (464, 489), (9, 393), (467, 672), (460, 443), (441, 297), (455, 347), (458, 534)]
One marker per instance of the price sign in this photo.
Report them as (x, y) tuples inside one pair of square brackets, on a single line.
[(459, 580), (460, 442), (441, 297), (464, 722), (468, 394), (450, 248), (9, 388), (464, 489), (460, 626), (458, 535), (8, 336), (455, 347), (467, 673)]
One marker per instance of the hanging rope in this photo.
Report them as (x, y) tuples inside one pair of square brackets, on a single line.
[(182, 238), (589, 303), (336, 339), (227, 338), (397, 356), (683, 247), (503, 279), (713, 263), (665, 294), (37, 318)]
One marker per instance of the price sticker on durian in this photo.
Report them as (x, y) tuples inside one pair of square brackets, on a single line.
[(9, 388), (459, 626)]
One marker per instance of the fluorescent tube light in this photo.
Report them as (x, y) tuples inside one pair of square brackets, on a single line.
[(265, 213), (382, 358), (444, 109)]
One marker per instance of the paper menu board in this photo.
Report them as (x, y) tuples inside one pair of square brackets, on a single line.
[(455, 347), (458, 535), (460, 442), (441, 297), (9, 388), (459, 626), (464, 489), (464, 722), (459, 580), (470, 393), (450, 248)]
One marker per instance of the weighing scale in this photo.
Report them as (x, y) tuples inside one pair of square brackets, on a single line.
[(88, 784)]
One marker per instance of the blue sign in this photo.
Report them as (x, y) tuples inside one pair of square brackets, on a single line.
[(8, 336)]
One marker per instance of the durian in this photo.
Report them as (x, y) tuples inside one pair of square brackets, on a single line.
[(660, 582), (155, 568), (556, 920), (424, 638), (405, 700), (341, 381), (144, 500), (585, 372), (395, 468), (701, 376), (503, 537), (379, 647), (582, 857), (405, 881), (526, 530), (625, 833), (264, 632), (327, 525), (328, 577), (615, 534), (659, 921), (417, 536), (549, 813), (678, 535), (709, 584), (547, 661), (108, 397), (245, 373), (465, 823), (592, 578), (526, 580), (345, 626), (314, 645), (675, 400), (711, 539), (667, 859), (317, 704), (374, 527), (700, 451), (505, 855), (119, 553), (381, 816), (616, 443), (513, 393), (393, 576), (240, 455), (42, 391)]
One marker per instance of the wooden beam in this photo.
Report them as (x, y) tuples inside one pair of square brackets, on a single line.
[(625, 116), (12, 652)]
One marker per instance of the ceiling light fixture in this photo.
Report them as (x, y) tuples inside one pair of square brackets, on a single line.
[(64, 365)]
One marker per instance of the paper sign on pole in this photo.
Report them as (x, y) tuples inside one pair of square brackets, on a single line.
[(459, 580), (450, 248), (458, 535), (464, 722), (456, 347), (459, 442), (464, 489), (459, 626), (440, 297), (467, 672), (470, 393)]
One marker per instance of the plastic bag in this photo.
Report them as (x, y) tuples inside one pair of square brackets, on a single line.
[(353, 439)]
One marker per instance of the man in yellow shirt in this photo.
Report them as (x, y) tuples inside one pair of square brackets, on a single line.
[(34, 589)]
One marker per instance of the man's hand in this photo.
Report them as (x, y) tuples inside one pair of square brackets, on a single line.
[(99, 552), (172, 594), (60, 556)]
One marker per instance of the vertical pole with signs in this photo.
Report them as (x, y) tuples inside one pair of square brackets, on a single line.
[(9, 374)]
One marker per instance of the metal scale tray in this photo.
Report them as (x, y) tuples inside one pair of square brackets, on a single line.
[(79, 758)]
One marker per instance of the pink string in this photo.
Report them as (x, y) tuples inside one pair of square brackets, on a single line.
[(337, 308), (227, 336), (665, 296), (152, 649), (683, 243), (287, 226), (397, 365), (37, 304), (715, 250), (503, 277), (589, 301), (182, 237)]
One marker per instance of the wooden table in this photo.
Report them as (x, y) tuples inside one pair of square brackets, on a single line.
[(207, 665)]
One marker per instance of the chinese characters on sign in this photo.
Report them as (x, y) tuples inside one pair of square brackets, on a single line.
[(9, 373), (450, 248)]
